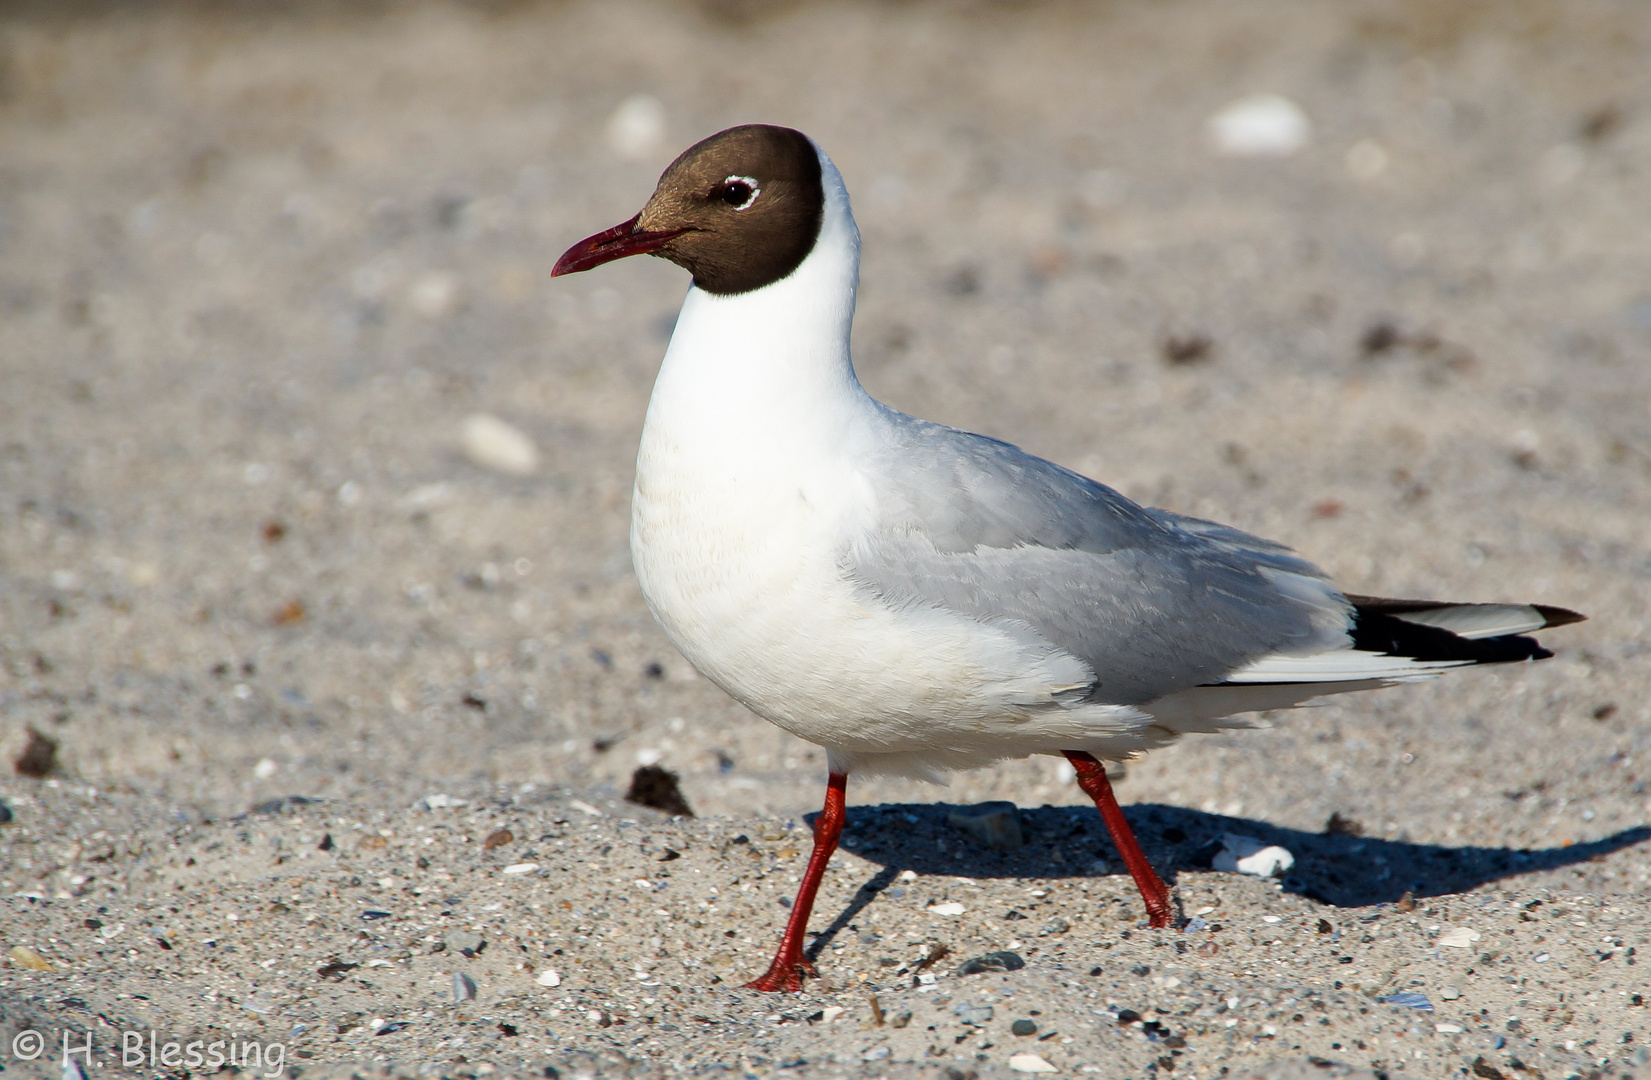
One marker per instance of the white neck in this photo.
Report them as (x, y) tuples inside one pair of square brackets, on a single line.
[(765, 358)]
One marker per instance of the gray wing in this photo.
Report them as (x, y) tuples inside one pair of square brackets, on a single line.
[(1152, 601)]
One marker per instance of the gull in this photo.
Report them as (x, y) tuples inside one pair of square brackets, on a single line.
[(918, 599)]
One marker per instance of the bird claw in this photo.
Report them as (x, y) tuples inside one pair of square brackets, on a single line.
[(784, 977)]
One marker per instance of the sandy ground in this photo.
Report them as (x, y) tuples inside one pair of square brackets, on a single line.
[(257, 267)]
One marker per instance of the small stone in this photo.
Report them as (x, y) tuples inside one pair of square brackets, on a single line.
[(39, 756), (994, 825), (657, 788), (1450, 993), (25, 957), (1030, 1063), (950, 907), (1056, 926), (464, 987), (5, 812), (1003, 960), (1247, 855), (970, 1013), (548, 977), (521, 868), (901, 1019), (497, 838), (830, 1013), (463, 941), (494, 444), (435, 294), (1261, 125), (1460, 937), (1023, 1028), (265, 768), (1408, 1000)]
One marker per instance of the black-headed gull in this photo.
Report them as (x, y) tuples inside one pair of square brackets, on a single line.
[(914, 598)]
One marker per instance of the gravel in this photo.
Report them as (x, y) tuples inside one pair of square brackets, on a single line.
[(314, 505)]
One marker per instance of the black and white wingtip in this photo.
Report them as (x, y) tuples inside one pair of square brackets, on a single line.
[(1470, 633), (1406, 640)]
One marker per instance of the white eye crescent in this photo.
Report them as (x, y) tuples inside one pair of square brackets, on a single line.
[(739, 192)]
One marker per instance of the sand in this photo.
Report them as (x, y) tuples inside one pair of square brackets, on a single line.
[(263, 583)]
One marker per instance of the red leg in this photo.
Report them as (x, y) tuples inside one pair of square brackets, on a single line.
[(787, 971), (1092, 778)]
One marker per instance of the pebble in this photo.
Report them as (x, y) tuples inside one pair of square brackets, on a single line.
[(5, 812), (950, 907), (636, 127), (25, 957), (995, 825), (1450, 993), (1247, 855), (440, 802), (1461, 937), (1408, 1000), (1023, 1028), (464, 987), (970, 1013), (494, 444), (1003, 960), (1030, 1063), (434, 295), (521, 868), (1261, 125), (548, 977), (467, 942)]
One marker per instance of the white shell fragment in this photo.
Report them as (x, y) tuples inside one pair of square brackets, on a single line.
[(494, 444), (1247, 855), (951, 907), (548, 977), (1460, 937), (1030, 1063), (521, 868), (1260, 125)]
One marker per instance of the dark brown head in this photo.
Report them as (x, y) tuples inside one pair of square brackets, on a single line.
[(739, 210)]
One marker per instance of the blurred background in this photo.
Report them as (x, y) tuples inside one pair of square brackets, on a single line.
[(312, 480)]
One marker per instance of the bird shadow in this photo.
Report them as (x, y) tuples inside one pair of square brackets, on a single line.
[(1340, 868)]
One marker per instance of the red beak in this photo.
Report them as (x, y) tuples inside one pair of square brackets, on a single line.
[(610, 244)]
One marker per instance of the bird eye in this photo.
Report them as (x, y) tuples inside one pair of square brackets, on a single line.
[(737, 191)]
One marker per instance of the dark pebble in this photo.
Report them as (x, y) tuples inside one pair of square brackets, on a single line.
[(1023, 1027), (656, 788), (992, 961)]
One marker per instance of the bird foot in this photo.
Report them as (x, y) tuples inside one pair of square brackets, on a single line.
[(784, 977)]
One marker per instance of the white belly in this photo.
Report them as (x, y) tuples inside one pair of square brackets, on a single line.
[(741, 563)]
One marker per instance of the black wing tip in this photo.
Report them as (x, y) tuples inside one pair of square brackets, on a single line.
[(1376, 629)]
